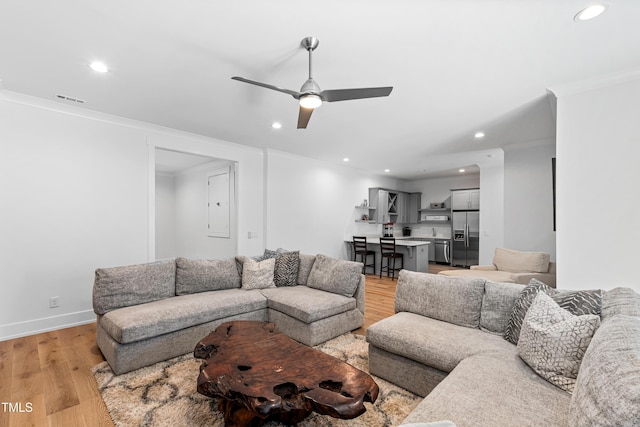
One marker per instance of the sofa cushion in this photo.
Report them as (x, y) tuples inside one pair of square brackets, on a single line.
[(494, 391), (193, 276), (130, 324), (285, 272), (620, 301), (497, 303), (135, 323), (133, 284), (521, 262), (608, 384), (553, 341), (258, 275), (307, 304), (520, 308), (434, 343), (335, 275), (456, 300), (306, 264)]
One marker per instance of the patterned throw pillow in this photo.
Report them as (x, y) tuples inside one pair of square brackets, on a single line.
[(553, 341), (580, 302), (520, 308), (577, 303), (287, 265), (258, 275)]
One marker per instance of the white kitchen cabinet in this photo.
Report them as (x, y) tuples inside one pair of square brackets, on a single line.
[(462, 200)]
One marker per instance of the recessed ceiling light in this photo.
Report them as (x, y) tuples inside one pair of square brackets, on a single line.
[(387, 170), (276, 125), (478, 135), (461, 170), (590, 12), (346, 159), (99, 67)]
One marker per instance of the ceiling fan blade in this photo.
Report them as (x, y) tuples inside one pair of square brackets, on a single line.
[(293, 93), (332, 95), (303, 117)]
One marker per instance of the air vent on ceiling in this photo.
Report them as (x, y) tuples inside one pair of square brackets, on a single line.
[(69, 99)]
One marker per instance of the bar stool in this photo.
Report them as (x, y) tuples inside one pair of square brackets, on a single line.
[(360, 248), (388, 251)]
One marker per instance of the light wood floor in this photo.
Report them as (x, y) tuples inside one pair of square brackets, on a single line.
[(45, 379)]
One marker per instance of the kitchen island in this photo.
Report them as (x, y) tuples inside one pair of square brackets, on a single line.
[(416, 252)]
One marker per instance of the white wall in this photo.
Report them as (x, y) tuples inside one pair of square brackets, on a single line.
[(528, 197), (311, 204), (492, 182), (78, 192), (165, 216), (598, 173), (191, 195)]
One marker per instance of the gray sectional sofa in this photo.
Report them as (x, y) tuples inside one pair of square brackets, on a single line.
[(151, 312), (447, 342)]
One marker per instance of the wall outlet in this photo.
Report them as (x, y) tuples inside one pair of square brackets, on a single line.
[(54, 302), (253, 235)]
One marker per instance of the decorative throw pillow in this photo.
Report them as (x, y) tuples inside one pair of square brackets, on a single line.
[(580, 302), (258, 275), (286, 268), (520, 308), (240, 259), (553, 341)]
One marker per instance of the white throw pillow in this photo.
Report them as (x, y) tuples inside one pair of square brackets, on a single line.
[(258, 275), (553, 341)]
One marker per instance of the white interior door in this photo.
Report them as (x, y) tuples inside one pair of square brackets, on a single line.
[(219, 204)]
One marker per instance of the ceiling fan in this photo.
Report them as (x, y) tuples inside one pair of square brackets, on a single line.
[(310, 96)]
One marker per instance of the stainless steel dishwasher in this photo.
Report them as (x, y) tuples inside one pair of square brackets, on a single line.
[(442, 251)]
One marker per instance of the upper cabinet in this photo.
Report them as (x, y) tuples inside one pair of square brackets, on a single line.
[(464, 200), (414, 200), (394, 206)]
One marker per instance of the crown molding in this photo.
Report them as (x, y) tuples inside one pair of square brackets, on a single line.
[(594, 83)]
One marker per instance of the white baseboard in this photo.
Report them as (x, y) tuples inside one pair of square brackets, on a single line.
[(46, 324)]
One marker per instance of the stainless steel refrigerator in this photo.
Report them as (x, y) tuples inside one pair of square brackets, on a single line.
[(466, 238)]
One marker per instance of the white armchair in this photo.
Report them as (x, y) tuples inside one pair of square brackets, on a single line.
[(513, 267)]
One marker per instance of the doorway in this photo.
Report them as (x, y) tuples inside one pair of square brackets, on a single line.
[(182, 206)]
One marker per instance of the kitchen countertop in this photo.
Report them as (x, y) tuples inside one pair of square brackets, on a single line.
[(399, 241)]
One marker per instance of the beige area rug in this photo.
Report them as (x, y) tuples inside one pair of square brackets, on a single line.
[(165, 394)]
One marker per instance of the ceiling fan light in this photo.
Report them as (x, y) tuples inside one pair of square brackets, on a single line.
[(310, 101)]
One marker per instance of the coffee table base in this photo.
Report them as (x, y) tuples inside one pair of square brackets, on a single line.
[(238, 415)]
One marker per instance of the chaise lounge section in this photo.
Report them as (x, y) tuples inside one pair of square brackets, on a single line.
[(450, 342), (151, 312)]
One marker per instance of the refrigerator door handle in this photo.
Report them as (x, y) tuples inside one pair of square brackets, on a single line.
[(446, 253), (466, 235)]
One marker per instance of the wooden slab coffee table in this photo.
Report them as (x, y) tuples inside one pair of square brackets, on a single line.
[(261, 374)]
